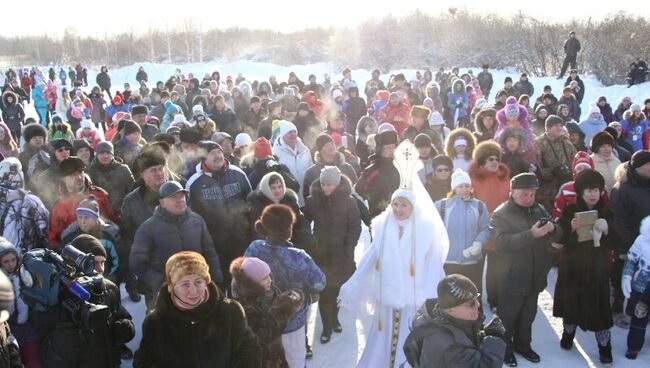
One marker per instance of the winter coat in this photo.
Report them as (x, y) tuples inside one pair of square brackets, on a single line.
[(574, 106), (458, 101), (125, 151), (411, 132), (455, 343), (103, 81), (538, 123), (486, 82), (115, 178), (12, 113), (308, 127), (634, 129), (466, 222), (377, 183), (260, 169), (523, 262), (591, 126), (337, 226), (252, 119), (637, 264), (137, 207), (524, 88), (580, 91), (226, 121), (107, 234), (630, 202), (162, 236), (396, 115), (25, 220), (354, 108), (606, 112), (214, 334), (34, 163), (438, 189), (97, 101), (141, 75), (552, 154), (64, 132), (9, 354), (298, 161), (292, 268), (492, 188), (481, 133), (221, 198), (582, 288), (571, 47), (313, 173), (607, 168)]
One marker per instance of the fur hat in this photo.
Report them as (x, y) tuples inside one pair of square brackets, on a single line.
[(484, 150), (71, 165), (460, 177), (455, 290), (639, 158), (149, 158), (185, 263), (276, 222), (588, 178), (262, 148), (552, 120), (422, 140), (88, 207), (321, 140), (130, 127), (55, 144), (139, 109), (418, 111), (599, 139), (34, 130), (89, 244)]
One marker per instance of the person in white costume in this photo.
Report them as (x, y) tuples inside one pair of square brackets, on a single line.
[(401, 268)]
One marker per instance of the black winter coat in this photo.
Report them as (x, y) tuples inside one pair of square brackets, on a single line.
[(226, 121), (213, 335), (630, 202), (337, 226), (104, 81), (313, 172), (115, 178), (164, 235), (377, 183), (411, 132), (522, 261), (582, 289), (260, 169)]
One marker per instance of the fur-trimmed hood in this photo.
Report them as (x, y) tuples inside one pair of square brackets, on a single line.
[(457, 133), (6, 94), (478, 173), (478, 121), (516, 132)]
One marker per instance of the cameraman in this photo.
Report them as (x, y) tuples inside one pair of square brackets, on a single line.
[(265, 162), (554, 152), (448, 331), (67, 342)]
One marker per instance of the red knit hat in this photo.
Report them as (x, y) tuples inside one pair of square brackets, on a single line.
[(582, 158), (262, 148)]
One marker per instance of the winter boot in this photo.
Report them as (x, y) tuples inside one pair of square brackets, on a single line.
[(567, 340), (337, 325), (605, 353), (631, 354)]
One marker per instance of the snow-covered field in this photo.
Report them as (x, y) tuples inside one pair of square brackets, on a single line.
[(345, 348)]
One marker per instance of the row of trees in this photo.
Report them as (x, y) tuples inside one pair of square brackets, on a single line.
[(459, 38)]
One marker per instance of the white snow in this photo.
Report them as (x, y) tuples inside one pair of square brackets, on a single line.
[(344, 349)]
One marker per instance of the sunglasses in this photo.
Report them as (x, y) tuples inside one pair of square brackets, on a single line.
[(473, 303)]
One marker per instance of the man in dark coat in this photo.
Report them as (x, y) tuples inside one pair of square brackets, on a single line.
[(571, 49), (419, 124), (354, 108), (34, 157), (12, 113), (325, 154), (172, 228), (524, 87), (107, 173), (218, 193), (580, 91), (630, 202), (522, 235), (224, 117), (139, 113), (485, 81), (104, 81)]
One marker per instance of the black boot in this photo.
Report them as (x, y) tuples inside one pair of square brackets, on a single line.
[(326, 336), (567, 340), (337, 325), (605, 353), (510, 359)]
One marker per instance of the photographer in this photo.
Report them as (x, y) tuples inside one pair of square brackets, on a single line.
[(265, 162), (554, 153), (78, 334), (448, 331)]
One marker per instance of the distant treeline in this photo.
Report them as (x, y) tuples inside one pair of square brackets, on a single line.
[(414, 41)]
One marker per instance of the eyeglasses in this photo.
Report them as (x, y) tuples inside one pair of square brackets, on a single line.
[(473, 302), (493, 159), (444, 169)]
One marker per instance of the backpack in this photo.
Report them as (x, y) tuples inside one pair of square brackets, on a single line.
[(443, 205), (413, 343)]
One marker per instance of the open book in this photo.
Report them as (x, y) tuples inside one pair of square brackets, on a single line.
[(587, 220)]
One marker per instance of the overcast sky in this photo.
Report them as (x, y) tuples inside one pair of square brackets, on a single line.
[(39, 17)]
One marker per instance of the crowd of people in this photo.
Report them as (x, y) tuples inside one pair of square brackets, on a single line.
[(233, 205)]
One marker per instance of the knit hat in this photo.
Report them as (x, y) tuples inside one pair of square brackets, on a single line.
[(455, 290), (197, 109), (484, 150), (139, 109), (336, 93), (89, 244), (635, 107), (76, 112), (56, 118), (71, 165), (614, 124), (242, 139), (588, 178), (524, 181), (422, 140), (321, 140), (442, 160), (185, 263), (593, 109), (276, 222), (418, 111), (88, 207), (552, 120), (34, 130), (221, 137), (460, 177), (599, 139), (287, 127), (190, 136), (86, 124), (255, 269), (179, 119), (330, 175), (436, 119), (262, 148), (130, 127), (117, 100), (147, 159), (104, 146), (581, 161), (639, 158), (511, 108)]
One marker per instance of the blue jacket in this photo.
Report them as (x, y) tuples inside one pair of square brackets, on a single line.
[(591, 126), (292, 268), (634, 131), (466, 221)]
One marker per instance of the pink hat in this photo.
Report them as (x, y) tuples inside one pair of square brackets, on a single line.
[(255, 269)]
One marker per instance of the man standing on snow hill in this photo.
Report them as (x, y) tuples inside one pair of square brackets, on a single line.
[(571, 48), (104, 81), (523, 235)]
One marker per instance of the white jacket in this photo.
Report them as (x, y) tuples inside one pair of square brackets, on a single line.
[(298, 161)]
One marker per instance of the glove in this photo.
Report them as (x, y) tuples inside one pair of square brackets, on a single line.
[(473, 250), (641, 310), (123, 331), (495, 328), (626, 286), (601, 225)]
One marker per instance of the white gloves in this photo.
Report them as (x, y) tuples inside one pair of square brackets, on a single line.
[(600, 228), (626, 286), (474, 250)]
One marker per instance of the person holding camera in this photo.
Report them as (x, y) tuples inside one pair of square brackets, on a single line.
[(448, 331), (93, 334), (523, 233), (554, 153)]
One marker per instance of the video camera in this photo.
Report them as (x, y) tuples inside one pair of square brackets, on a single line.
[(44, 271)]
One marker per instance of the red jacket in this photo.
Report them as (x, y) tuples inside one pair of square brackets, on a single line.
[(314, 103), (397, 115), (64, 211)]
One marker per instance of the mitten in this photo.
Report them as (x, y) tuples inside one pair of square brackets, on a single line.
[(123, 331)]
